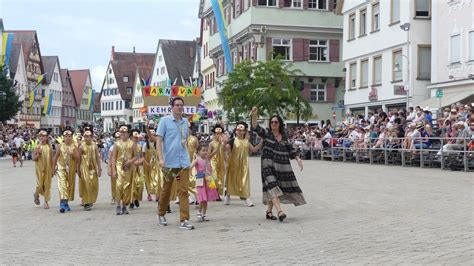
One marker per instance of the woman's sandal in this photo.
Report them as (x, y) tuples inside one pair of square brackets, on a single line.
[(270, 216), (36, 199), (281, 216), (46, 205)]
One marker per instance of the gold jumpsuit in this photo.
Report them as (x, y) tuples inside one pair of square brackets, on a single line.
[(89, 172), (44, 172), (218, 165), (138, 176), (192, 143), (124, 178), (152, 172), (238, 173), (66, 172)]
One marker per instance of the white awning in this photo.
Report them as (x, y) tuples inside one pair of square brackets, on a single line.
[(447, 99)]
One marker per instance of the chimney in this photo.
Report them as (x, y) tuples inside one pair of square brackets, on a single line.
[(133, 49), (113, 52)]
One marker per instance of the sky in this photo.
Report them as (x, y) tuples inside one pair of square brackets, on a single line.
[(82, 32)]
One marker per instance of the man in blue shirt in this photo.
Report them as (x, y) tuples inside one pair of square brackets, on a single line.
[(174, 161)]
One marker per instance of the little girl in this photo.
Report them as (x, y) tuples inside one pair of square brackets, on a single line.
[(205, 183)]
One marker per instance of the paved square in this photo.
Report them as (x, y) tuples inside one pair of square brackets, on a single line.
[(356, 213)]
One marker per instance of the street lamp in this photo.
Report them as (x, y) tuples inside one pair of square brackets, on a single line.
[(406, 27)]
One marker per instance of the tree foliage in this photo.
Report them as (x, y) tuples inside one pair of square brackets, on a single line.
[(9, 99), (272, 86)]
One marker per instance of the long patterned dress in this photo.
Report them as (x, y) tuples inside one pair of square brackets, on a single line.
[(152, 172), (124, 178), (218, 165), (278, 178), (44, 172), (192, 143), (238, 172), (89, 174), (66, 172), (138, 176)]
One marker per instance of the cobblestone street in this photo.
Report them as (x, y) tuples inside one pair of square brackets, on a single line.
[(356, 213)]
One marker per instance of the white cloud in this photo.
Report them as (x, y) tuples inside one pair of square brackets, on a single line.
[(97, 75)]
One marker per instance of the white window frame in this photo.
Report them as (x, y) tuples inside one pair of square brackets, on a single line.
[(375, 17), (125, 78), (316, 88), (314, 4), (281, 44), (394, 20), (129, 90), (374, 71), (295, 3), (363, 30), (352, 26), (353, 73), (429, 9), (450, 49), (400, 65), (362, 84), (318, 46), (267, 3), (470, 40)]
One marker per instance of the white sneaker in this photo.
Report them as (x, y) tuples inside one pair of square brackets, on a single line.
[(249, 203), (227, 200), (162, 221), (186, 225), (199, 217)]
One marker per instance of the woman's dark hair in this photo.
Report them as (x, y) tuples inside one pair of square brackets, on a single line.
[(281, 127), (328, 122), (202, 145)]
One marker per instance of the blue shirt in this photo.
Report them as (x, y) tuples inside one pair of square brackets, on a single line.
[(174, 134)]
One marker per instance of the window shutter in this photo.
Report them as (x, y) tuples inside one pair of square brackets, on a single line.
[(305, 4), (281, 3), (305, 50), (254, 2), (306, 93), (298, 49), (330, 92), (268, 48), (334, 50)]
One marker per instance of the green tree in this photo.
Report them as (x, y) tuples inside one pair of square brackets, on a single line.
[(273, 86), (9, 99)]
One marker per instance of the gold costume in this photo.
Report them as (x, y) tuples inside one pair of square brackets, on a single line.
[(238, 172), (192, 143), (66, 171), (44, 172), (124, 178), (113, 182), (138, 176), (218, 165), (152, 172), (89, 172)]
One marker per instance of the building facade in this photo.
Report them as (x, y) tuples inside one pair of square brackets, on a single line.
[(117, 88), (53, 88), (308, 37), (452, 62), (142, 76), (82, 86), (387, 53), (17, 71), (69, 104)]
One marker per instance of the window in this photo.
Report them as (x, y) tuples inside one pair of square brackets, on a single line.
[(318, 50), (318, 92), (116, 105), (162, 70), (125, 78), (110, 70), (353, 74), (120, 105), (364, 73), (281, 47), (160, 58), (318, 4), (129, 90), (397, 66), (471, 45), (375, 17), (352, 19), (267, 2), (455, 49), (424, 62), (127, 104), (363, 22), (292, 3), (395, 11), (55, 76), (422, 8), (252, 52)]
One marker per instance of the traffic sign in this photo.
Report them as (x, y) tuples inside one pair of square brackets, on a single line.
[(439, 93)]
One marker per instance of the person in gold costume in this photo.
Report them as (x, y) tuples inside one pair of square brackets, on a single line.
[(138, 171), (192, 143), (152, 172), (238, 171), (65, 160), (113, 181), (218, 160), (123, 158), (89, 169), (43, 157)]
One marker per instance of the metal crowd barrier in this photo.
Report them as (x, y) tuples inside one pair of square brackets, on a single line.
[(389, 154)]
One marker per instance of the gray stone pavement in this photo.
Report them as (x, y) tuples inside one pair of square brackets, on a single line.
[(356, 213)]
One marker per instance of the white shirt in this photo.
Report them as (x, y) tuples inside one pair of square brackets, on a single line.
[(18, 142)]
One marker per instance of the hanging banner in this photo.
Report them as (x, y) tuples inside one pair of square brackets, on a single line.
[(166, 109)]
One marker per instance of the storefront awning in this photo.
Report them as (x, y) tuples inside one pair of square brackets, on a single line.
[(448, 99)]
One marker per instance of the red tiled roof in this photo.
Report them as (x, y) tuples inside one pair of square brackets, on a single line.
[(78, 80), (27, 39)]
